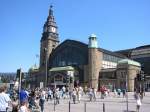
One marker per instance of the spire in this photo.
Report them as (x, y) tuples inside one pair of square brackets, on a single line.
[(50, 27), (51, 11)]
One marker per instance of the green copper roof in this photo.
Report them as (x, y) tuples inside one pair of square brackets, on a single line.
[(66, 68), (130, 62), (33, 68), (93, 35), (93, 41)]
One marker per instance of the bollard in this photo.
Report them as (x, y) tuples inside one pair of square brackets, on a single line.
[(85, 107), (69, 106), (103, 107)]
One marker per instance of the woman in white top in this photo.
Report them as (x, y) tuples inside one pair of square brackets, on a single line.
[(79, 93), (138, 101), (4, 99)]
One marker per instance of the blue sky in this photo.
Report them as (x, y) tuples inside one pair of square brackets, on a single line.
[(118, 24)]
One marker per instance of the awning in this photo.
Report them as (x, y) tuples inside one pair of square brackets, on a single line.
[(130, 62), (66, 68)]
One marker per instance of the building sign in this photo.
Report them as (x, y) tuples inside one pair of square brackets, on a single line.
[(70, 73)]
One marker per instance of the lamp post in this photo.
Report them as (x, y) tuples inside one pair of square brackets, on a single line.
[(142, 78), (19, 75), (127, 91), (45, 66)]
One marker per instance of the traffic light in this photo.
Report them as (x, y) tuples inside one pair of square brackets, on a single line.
[(142, 77), (22, 75), (138, 77), (71, 79), (18, 73)]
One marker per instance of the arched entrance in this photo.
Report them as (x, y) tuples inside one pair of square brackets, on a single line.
[(61, 76)]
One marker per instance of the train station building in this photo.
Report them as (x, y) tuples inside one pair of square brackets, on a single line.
[(73, 63)]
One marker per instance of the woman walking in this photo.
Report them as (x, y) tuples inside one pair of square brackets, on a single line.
[(138, 101)]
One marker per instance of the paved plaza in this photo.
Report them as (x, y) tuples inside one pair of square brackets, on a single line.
[(112, 104)]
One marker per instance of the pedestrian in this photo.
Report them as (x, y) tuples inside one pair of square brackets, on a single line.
[(23, 106), (63, 92), (90, 94), (32, 103), (119, 92), (49, 94), (103, 91), (74, 95), (124, 92), (138, 101), (115, 92), (79, 93), (142, 93), (42, 100), (94, 93), (57, 96), (70, 93), (5, 100), (23, 96)]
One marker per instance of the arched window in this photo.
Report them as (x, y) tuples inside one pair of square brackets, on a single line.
[(69, 55)]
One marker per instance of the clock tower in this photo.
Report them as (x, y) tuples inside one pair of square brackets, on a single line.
[(49, 40)]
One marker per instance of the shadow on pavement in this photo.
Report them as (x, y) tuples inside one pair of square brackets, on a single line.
[(129, 111)]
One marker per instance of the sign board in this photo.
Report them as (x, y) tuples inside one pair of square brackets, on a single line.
[(41, 85), (70, 73)]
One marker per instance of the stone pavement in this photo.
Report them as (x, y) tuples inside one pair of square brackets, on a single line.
[(112, 104)]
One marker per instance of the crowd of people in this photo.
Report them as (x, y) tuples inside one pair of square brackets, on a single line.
[(28, 100)]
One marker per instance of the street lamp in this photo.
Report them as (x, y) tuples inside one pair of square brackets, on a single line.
[(127, 90), (18, 83), (45, 49)]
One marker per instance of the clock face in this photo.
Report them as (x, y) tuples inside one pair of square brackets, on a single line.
[(53, 29)]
